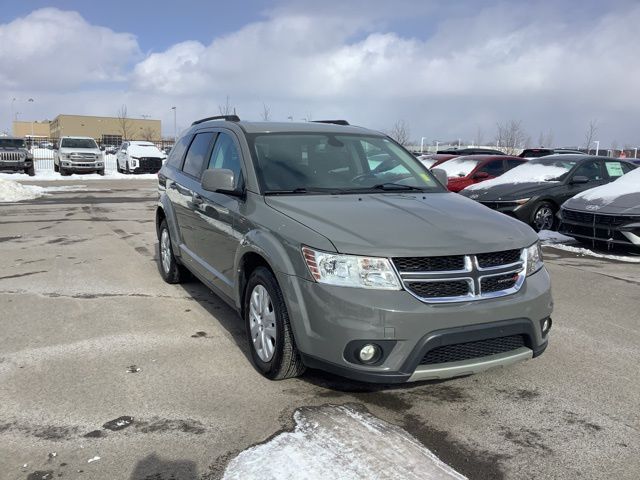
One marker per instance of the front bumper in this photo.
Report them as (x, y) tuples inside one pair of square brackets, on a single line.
[(597, 227), (82, 166), (521, 212), (327, 319), (15, 165)]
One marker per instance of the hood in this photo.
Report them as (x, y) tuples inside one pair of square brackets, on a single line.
[(396, 224), (81, 150), (145, 151), (508, 191), (628, 204)]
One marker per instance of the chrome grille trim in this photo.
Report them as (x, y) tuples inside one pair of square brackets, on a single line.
[(473, 274)]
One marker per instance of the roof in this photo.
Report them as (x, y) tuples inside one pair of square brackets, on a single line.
[(287, 127), (71, 136)]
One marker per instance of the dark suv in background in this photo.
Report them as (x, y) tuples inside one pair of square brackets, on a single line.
[(341, 251), (15, 157)]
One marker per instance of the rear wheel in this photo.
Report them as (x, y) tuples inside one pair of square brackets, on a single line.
[(273, 347), (170, 269), (544, 217)]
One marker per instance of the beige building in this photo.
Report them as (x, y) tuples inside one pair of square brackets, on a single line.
[(107, 130), (31, 129)]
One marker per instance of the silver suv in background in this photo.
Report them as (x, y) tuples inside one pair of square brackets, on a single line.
[(78, 155), (341, 251)]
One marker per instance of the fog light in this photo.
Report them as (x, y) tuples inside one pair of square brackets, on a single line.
[(546, 325), (369, 353)]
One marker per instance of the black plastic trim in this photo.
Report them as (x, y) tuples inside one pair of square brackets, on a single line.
[(335, 122), (353, 374), (228, 118)]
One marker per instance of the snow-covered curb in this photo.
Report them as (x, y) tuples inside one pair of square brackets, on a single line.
[(11, 191), (549, 237), (340, 443), (49, 176), (585, 252)]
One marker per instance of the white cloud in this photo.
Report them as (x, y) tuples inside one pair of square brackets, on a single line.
[(550, 68), (51, 49)]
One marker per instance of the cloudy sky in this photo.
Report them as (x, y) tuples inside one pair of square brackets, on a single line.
[(449, 69)]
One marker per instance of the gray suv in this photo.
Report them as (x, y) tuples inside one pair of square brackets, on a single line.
[(340, 251)]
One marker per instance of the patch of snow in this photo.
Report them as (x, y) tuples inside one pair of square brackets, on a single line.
[(528, 172), (339, 443), (51, 176), (94, 459), (145, 149), (548, 237), (626, 184), (590, 253), (427, 161), (459, 167), (11, 191)]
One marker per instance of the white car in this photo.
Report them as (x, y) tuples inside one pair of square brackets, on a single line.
[(139, 157), (78, 154)]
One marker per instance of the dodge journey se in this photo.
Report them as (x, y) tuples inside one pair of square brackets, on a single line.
[(341, 251)]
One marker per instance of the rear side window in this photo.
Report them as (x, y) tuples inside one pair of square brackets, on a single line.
[(225, 155), (177, 152), (493, 168), (616, 169), (197, 153), (513, 163)]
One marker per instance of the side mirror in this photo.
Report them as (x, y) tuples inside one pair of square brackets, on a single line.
[(481, 175), (441, 176), (219, 180), (579, 179)]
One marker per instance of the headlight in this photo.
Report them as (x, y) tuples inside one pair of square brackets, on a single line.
[(351, 270), (522, 201), (534, 258)]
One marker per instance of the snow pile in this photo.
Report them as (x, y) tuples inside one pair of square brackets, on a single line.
[(459, 167), (11, 191), (626, 184), (340, 442), (528, 172), (51, 176), (550, 237), (589, 253)]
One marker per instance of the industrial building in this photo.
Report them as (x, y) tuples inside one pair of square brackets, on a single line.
[(106, 130)]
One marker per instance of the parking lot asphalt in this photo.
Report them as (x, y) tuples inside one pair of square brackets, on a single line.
[(100, 358)]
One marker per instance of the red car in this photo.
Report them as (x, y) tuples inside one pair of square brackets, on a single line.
[(470, 169)]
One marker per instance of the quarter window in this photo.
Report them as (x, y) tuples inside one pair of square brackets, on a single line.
[(177, 152), (197, 153)]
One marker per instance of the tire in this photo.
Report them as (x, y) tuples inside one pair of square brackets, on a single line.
[(101, 172), (171, 271), (31, 171), (63, 171), (127, 169), (544, 217), (56, 168), (273, 347)]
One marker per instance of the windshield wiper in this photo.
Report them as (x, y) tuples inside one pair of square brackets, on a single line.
[(303, 190), (395, 186)]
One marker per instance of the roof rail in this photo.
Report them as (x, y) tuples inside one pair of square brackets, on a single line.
[(335, 122), (228, 118)]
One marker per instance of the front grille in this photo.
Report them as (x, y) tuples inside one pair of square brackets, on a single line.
[(457, 288), (83, 156), (429, 264), (495, 259), (470, 350), (149, 165), (498, 282), (579, 217), (599, 227), (12, 156)]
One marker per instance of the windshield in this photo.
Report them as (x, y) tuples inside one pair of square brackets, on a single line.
[(78, 143), (321, 162), (11, 143), (459, 167)]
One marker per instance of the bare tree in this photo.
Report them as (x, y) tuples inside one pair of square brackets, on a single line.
[(400, 132), (124, 122), (227, 109), (511, 137), (590, 135), (148, 134), (266, 112)]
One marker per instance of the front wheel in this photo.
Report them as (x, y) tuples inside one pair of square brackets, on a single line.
[(273, 347), (56, 168), (101, 172), (31, 171), (544, 217), (170, 269)]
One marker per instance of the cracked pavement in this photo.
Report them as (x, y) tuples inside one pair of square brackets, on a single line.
[(81, 302)]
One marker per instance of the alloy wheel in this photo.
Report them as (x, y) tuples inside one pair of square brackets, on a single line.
[(262, 321), (543, 219), (165, 250)]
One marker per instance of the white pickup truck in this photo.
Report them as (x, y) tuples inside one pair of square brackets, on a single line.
[(78, 154)]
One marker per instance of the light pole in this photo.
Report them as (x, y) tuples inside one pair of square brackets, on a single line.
[(31, 101), (597, 142), (421, 144), (12, 118), (458, 143), (635, 152), (437, 143), (175, 126)]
